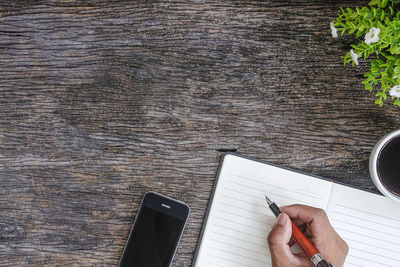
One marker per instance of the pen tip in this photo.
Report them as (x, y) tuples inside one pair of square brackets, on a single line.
[(268, 200)]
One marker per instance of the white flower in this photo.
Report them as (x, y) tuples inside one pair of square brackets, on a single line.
[(333, 30), (395, 91), (354, 56), (372, 36)]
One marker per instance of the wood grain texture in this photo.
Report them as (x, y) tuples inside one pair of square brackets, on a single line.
[(102, 101)]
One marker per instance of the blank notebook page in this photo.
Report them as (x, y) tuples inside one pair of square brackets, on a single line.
[(369, 223), (239, 219)]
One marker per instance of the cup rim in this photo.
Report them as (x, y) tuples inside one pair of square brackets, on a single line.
[(373, 165)]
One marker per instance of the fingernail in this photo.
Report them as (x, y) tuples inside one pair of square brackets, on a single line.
[(281, 219)]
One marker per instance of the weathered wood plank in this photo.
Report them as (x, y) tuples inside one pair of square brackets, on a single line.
[(103, 101)]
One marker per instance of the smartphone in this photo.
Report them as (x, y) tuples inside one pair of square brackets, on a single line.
[(156, 232)]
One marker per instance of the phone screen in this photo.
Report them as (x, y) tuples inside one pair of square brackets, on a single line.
[(154, 237)]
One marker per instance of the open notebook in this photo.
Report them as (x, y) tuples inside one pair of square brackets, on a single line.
[(238, 220)]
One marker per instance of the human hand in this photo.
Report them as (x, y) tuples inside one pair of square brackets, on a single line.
[(317, 228)]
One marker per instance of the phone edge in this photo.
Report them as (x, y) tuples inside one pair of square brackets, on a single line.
[(136, 216)]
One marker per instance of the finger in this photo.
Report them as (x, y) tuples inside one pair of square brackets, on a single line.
[(303, 260), (301, 254), (304, 213), (308, 232), (281, 232), (279, 238), (298, 222)]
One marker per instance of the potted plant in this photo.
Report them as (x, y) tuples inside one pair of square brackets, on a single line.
[(377, 29)]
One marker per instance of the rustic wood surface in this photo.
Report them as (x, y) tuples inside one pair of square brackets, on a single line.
[(102, 101)]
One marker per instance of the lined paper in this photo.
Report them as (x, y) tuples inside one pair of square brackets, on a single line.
[(239, 220), (369, 223)]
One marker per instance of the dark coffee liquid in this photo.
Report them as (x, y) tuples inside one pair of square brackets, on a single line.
[(388, 165)]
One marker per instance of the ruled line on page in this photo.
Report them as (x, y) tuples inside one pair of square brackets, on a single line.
[(214, 264), (364, 219), (368, 260), (371, 253), (263, 191), (239, 247), (373, 238), (239, 231), (246, 201), (372, 246), (227, 259), (249, 226), (236, 238), (239, 221), (347, 263), (276, 186), (241, 216), (280, 189), (367, 212), (243, 208), (367, 228), (235, 254), (269, 193)]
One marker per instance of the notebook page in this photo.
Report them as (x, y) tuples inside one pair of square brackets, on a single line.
[(239, 220), (369, 223)]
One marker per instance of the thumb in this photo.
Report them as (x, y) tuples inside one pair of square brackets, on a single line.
[(278, 240), (281, 232)]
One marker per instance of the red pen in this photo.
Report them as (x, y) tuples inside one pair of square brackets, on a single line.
[(308, 248)]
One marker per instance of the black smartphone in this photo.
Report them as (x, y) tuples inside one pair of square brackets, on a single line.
[(156, 232)]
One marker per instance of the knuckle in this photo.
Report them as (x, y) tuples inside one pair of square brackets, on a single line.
[(321, 213), (271, 238)]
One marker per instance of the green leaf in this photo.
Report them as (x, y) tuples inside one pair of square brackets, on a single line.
[(374, 70), (379, 102), (385, 66), (367, 75), (381, 95), (379, 62), (368, 85), (373, 2), (393, 49)]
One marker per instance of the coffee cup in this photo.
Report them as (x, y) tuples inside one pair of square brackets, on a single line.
[(384, 165)]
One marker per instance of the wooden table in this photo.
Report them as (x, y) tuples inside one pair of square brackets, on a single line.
[(102, 101)]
